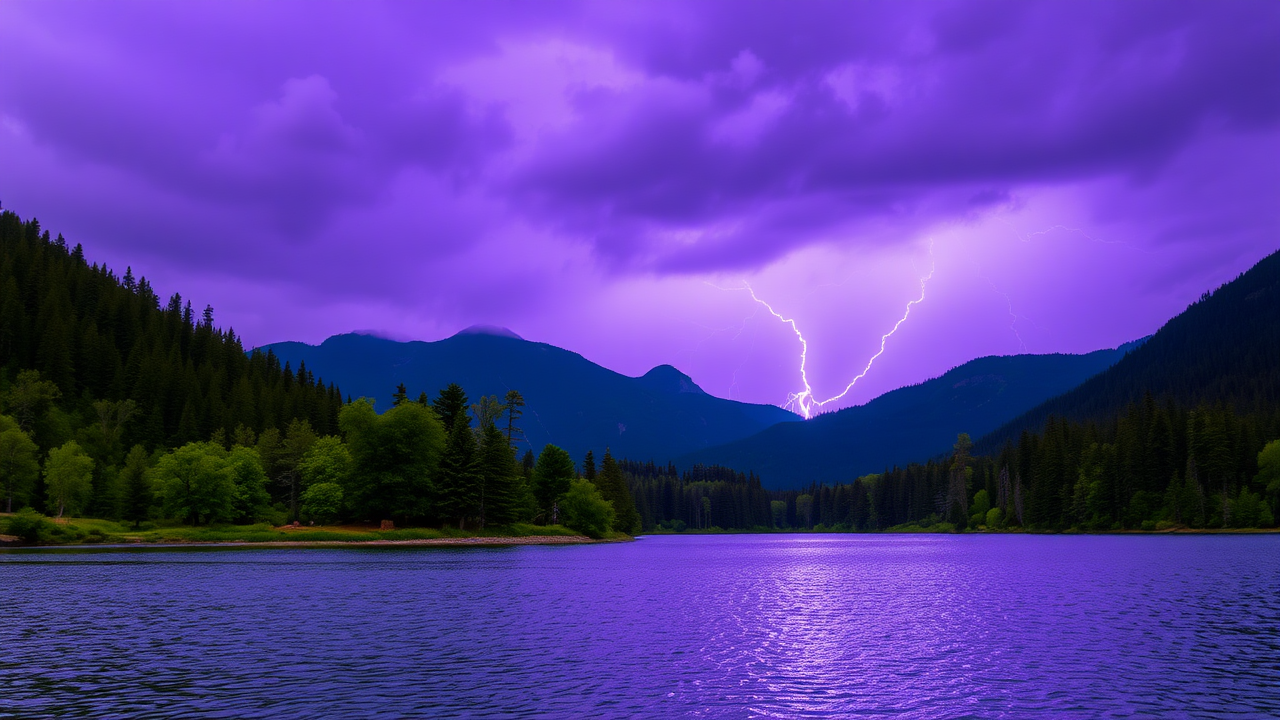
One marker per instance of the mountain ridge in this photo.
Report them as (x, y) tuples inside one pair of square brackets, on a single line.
[(911, 423), (571, 401)]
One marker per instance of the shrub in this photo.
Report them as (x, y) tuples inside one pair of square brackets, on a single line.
[(584, 510), (995, 518), (1249, 510), (67, 534), (30, 525)]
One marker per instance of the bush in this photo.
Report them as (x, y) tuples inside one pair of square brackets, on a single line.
[(1249, 510), (584, 510), (322, 502), (30, 525), (995, 518), (67, 534)]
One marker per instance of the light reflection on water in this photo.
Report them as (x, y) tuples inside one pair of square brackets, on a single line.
[(698, 626)]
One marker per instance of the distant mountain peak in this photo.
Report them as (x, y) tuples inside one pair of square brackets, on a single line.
[(668, 379), (494, 330)]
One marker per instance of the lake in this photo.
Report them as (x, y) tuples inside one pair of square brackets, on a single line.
[(912, 626)]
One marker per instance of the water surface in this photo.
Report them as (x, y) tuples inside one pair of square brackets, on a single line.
[(908, 626)]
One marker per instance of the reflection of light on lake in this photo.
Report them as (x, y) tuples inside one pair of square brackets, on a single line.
[(785, 626)]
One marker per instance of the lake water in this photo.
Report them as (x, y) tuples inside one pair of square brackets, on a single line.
[(914, 626)]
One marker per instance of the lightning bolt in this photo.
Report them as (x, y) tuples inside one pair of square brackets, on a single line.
[(1013, 316), (805, 401), (1027, 237)]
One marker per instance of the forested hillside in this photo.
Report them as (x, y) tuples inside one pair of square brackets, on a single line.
[(908, 424), (1222, 350), (97, 336), (94, 358)]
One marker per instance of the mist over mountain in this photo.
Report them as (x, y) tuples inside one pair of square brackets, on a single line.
[(571, 401), (908, 424)]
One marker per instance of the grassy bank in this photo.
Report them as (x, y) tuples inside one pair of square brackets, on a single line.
[(85, 531)]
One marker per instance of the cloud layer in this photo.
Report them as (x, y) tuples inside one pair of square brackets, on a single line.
[(607, 177)]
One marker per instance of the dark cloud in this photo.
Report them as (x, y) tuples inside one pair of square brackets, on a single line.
[(482, 162), (992, 93)]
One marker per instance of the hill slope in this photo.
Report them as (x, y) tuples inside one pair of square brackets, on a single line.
[(99, 337), (907, 424), (1224, 348), (571, 402)]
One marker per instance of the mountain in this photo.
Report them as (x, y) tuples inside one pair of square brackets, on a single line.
[(1223, 349), (571, 402), (907, 424)]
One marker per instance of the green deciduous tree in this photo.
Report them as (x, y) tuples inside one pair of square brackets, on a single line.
[(29, 397), (395, 455), (327, 461), (18, 466), (251, 497), (323, 502), (196, 483), (68, 477), (1249, 511), (583, 509), (486, 411), (778, 511)]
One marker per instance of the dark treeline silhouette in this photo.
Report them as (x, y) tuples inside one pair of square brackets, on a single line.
[(1155, 466), (701, 498)]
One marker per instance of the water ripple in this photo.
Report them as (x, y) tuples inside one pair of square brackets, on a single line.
[(705, 627)]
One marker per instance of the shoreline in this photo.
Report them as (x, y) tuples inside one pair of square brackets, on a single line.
[(494, 541), (491, 541), (1169, 531)]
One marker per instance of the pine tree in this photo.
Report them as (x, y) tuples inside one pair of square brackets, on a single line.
[(552, 475), (450, 403), (503, 493), (512, 404), (458, 487), (589, 467), (136, 496), (613, 488)]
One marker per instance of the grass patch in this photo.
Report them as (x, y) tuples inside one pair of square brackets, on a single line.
[(71, 531)]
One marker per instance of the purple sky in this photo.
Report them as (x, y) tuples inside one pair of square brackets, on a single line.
[(608, 177)]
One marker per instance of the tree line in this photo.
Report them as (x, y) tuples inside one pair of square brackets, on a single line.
[(399, 467), (115, 406), (1155, 466)]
